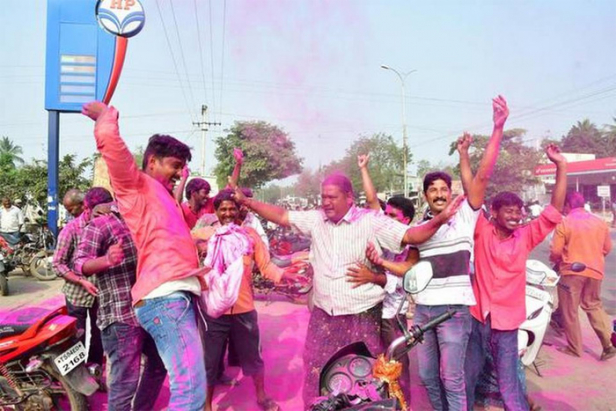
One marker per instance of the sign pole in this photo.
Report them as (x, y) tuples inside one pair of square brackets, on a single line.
[(53, 157)]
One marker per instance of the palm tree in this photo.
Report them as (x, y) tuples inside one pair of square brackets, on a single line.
[(10, 152)]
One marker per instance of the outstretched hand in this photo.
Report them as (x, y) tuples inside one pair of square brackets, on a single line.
[(93, 109), (115, 254), (500, 111), (464, 143), (452, 208), (554, 154), (373, 256), (238, 155), (362, 160), (238, 195), (185, 172)]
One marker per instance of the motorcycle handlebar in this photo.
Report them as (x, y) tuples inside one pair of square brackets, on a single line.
[(421, 329)]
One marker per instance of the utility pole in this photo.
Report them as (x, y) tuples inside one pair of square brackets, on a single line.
[(204, 127), (402, 77)]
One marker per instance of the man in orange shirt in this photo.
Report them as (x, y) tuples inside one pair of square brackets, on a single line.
[(240, 322), (501, 248), (584, 238)]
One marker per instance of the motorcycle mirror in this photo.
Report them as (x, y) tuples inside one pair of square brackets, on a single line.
[(578, 267), (417, 278)]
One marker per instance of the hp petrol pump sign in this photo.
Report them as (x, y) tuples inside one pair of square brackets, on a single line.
[(123, 18)]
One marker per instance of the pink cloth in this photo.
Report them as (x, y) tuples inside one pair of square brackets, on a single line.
[(500, 269), (166, 251)]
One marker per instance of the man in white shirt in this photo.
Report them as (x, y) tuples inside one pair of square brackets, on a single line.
[(11, 220)]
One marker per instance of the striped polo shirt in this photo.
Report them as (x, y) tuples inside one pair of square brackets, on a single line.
[(449, 251), (337, 246)]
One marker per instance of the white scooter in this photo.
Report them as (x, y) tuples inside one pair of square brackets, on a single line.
[(541, 282)]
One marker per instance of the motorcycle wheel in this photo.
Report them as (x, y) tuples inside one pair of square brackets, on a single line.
[(40, 267), (4, 285), (71, 400)]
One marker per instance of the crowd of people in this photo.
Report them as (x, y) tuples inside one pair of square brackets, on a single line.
[(134, 263)]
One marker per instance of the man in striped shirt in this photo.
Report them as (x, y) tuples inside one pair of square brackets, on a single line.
[(340, 234)]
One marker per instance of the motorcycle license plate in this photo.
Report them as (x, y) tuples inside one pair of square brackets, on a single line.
[(71, 358)]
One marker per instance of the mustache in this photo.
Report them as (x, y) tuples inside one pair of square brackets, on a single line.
[(440, 199)]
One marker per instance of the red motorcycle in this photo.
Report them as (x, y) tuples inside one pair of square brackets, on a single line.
[(42, 365), (297, 290)]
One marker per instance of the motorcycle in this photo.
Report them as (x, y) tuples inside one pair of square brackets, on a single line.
[(42, 365), (298, 289), (353, 379), (33, 254), (284, 241)]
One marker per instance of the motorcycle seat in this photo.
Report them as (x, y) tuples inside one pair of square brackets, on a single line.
[(10, 330)]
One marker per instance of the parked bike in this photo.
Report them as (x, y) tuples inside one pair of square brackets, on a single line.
[(32, 254), (284, 241), (354, 379), (296, 290), (42, 365)]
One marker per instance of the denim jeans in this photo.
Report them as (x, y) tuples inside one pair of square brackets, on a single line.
[(441, 356), (503, 346), (172, 322), (95, 350), (124, 345)]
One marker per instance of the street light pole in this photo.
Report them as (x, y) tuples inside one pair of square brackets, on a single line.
[(402, 78)]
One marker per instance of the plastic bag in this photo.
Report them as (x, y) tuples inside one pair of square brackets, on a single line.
[(226, 249)]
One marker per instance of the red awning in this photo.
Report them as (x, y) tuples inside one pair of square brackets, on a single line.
[(600, 165)]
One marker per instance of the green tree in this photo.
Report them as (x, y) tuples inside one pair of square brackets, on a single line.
[(609, 136), (515, 166), (269, 154), (10, 153), (385, 166), (425, 166), (585, 137), (308, 184)]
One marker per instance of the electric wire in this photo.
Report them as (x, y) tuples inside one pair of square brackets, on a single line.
[(222, 59), (200, 53), (212, 57), (175, 65), (177, 31)]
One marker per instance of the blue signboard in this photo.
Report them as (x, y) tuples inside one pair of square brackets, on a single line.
[(80, 55)]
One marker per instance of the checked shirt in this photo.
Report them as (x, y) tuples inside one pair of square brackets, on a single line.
[(115, 283), (63, 260)]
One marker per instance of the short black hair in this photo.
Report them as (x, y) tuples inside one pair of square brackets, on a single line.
[(225, 195), (195, 185), (436, 175), (247, 192), (162, 145), (403, 204), (96, 196), (506, 199)]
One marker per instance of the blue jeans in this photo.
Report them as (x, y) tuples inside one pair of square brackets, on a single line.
[(172, 322), (124, 345), (441, 356), (503, 346)]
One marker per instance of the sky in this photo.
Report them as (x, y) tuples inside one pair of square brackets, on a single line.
[(313, 68)]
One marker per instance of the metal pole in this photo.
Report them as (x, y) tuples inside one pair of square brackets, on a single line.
[(53, 144), (203, 138), (404, 146), (402, 78)]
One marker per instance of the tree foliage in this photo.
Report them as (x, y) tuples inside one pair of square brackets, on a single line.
[(30, 179), (269, 154), (515, 166), (584, 137), (385, 166)]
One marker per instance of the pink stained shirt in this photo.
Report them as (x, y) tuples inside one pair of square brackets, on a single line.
[(192, 218), (500, 269), (165, 249)]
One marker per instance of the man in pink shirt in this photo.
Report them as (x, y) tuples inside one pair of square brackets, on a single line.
[(168, 275), (502, 247)]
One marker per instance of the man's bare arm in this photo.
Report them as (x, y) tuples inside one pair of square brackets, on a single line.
[(371, 198), (422, 233), (477, 189), (270, 212), (560, 188)]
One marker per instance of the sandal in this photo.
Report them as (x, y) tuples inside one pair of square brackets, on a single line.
[(568, 351), (269, 405)]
